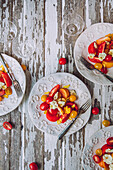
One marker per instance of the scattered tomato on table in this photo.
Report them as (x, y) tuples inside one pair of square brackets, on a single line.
[(59, 105), (7, 125), (95, 110), (62, 61), (33, 166)]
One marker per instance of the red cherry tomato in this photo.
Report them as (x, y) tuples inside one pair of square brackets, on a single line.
[(2, 80), (33, 166), (44, 106), (54, 90), (2, 92), (104, 70), (95, 110), (110, 141), (96, 158), (91, 48), (62, 61), (52, 118), (49, 99), (101, 48), (108, 58), (53, 111), (7, 79), (7, 125), (105, 147)]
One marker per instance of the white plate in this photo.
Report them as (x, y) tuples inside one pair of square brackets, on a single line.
[(46, 84), (91, 34), (96, 141), (12, 102)]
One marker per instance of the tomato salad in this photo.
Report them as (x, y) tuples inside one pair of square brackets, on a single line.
[(101, 53), (5, 84), (59, 105), (104, 155)]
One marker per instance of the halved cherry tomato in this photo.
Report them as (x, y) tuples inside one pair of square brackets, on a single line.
[(49, 99), (53, 111), (7, 125), (2, 92), (33, 166), (104, 70), (73, 105), (7, 79), (2, 80), (62, 61), (108, 58), (64, 117), (110, 141), (52, 118), (95, 59), (91, 48), (105, 147), (101, 48), (44, 106), (54, 90), (95, 110), (96, 158)]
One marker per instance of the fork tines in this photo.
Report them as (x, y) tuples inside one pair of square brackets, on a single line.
[(86, 105)]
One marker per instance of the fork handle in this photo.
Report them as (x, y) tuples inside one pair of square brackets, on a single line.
[(105, 75), (66, 129)]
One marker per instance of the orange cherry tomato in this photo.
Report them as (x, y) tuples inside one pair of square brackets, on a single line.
[(7, 125), (98, 152), (72, 98), (106, 123), (98, 66), (43, 98), (73, 114)]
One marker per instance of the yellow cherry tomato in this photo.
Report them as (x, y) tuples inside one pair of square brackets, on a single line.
[(43, 98), (106, 123), (72, 98), (8, 91), (98, 152), (107, 64), (73, 114), (98, 66)]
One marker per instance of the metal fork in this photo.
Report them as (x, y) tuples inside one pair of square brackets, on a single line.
[(15, 83), (82, 110)]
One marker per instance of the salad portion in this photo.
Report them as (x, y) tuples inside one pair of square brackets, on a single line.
[(101, 53), (5, 84), (59, 104), (104, 155)]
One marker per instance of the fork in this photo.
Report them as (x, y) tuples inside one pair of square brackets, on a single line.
[(82, 110), (15, 83)]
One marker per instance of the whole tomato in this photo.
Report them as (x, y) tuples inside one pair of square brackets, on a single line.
[(108, 58), (110, 141), (49, 99), (44, 106), (96, 158), (95, 110), (50, 117), (62, 61), (7, 125), (33, 166), (53, 111)]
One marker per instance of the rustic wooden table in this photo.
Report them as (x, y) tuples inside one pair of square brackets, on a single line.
[(40, 22)]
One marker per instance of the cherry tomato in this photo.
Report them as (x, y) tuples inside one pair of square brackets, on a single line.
[(98, 152), (72, 98), (7, 79), (52, 118), (53, 111), (54, 90), (62, 61), (43, 98), (2, 80), (2, 92), (7, 125), (96, 158), (108, 58), (73, 105), (64, 117), (73, 114), (110, 141), (49, 99), (91, 48), (98, 66), (33, 166), (104, 70), (106, 123), (95, 110), (105, 147), (44, 106)]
